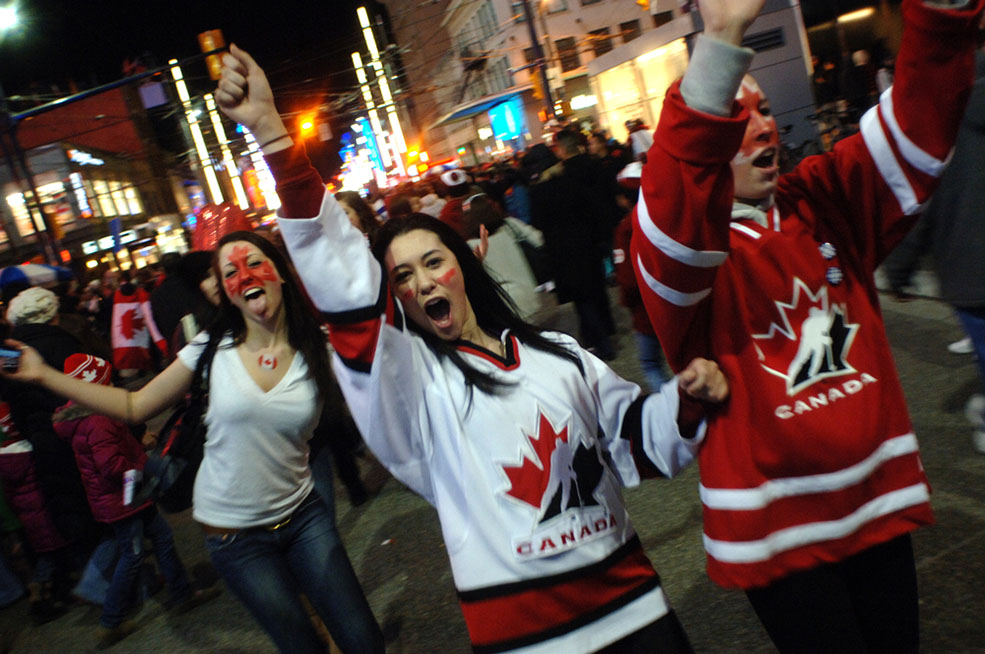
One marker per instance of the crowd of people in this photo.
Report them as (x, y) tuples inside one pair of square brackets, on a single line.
[(418, 321)]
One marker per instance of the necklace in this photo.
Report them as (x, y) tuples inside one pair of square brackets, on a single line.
[(267, 361)]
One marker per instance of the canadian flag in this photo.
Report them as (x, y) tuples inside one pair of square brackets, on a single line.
[(132, 329)]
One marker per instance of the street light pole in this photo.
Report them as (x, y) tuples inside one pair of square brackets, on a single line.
[(539, 56)]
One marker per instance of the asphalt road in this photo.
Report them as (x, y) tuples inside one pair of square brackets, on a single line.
[(396, 547)]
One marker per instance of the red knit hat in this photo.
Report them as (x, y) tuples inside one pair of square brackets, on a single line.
[(88, 368)]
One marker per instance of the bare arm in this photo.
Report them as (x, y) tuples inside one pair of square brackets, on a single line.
[(164, 391)]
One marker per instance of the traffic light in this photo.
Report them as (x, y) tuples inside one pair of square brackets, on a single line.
[(538, 91), (208, 41), (645, 4), (306, 126)]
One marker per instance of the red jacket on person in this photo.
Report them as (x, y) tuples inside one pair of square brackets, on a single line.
[(104, 450)]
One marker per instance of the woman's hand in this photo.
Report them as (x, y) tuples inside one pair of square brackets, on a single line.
[(727, 20), (31, 367), (482, 248), (244, 95), (704, 380)]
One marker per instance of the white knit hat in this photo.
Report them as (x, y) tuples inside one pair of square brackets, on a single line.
[(34, 305)]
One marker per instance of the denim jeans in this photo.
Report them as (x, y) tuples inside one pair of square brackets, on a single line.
[(268, 569), (651, 360), (130, 534), (973, 321)]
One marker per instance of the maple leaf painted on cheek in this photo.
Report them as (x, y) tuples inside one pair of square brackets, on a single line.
[(529, 481), (130, 324)]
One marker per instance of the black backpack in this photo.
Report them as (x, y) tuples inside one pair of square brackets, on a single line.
[(169, 474)]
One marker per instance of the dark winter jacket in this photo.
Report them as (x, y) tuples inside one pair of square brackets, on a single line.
[(104, 450), (23, 492), (573, 205), (957, 209), (31, 407)]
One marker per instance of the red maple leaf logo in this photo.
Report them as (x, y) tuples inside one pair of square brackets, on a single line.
[(529, 480), (810, 342), (130, 324)]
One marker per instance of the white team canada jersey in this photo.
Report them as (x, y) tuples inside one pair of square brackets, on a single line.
[(526, 483)]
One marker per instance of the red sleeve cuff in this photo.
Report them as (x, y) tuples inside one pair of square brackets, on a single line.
[(690, 414), (298, 184)]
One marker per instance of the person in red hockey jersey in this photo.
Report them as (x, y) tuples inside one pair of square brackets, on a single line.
[(811, 478)]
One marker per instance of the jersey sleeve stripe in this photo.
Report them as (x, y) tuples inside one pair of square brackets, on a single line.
[(674, 249), (751, 499), (914, 155), (355, 343), (745, 229), (807, 534), (886, 162), (671, 295), (632, 431), (361, 314)]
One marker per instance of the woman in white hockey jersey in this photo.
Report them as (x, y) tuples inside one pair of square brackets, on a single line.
[(520, 439)]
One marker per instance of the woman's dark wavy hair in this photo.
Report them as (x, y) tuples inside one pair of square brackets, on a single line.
[(494, 310), (368, 223), (303, 329)]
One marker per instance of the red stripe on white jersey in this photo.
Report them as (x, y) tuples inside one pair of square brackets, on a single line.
[(525, 613)]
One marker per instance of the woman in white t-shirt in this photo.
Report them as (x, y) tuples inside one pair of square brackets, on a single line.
[(269, 536)]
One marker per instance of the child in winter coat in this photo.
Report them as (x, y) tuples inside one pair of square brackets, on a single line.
[(105, 451)]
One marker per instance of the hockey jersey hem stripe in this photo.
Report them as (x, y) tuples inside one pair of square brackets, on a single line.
[(671, 295), (673, 249), (630, 548), (750, 499), (508, 621), (582, 621), (816, 532)]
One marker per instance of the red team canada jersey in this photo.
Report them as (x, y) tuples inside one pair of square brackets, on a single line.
[(813, 458)]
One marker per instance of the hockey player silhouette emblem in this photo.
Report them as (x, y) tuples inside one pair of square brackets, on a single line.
[(811, 341), (566, 474)]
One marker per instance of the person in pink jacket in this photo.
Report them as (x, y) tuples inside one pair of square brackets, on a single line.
[(106, 452)]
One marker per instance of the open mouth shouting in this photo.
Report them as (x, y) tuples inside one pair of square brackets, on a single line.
[(767, 160), (439, 311)]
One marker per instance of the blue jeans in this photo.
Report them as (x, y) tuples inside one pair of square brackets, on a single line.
[(130, 534), (651, 360), (268, 569), (973, 321)]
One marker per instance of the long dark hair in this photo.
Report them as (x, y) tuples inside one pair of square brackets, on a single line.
[(368, 223), (494, 310), (303, 329)]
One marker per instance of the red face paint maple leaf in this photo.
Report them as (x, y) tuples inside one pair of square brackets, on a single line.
[(130, 324), (529, 480)]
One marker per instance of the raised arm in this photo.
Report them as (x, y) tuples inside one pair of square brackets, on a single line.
[(163, 392), (873, 185), (382, 372)]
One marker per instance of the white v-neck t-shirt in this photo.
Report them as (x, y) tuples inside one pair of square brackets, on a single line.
[(255, 470)]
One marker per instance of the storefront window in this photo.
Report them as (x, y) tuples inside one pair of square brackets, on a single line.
[(102, 195), (133, 200), (118, 198), (626, 95), (93, 201)]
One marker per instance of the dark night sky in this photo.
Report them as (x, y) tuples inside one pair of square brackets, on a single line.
[(303, 46), (88, 41)]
